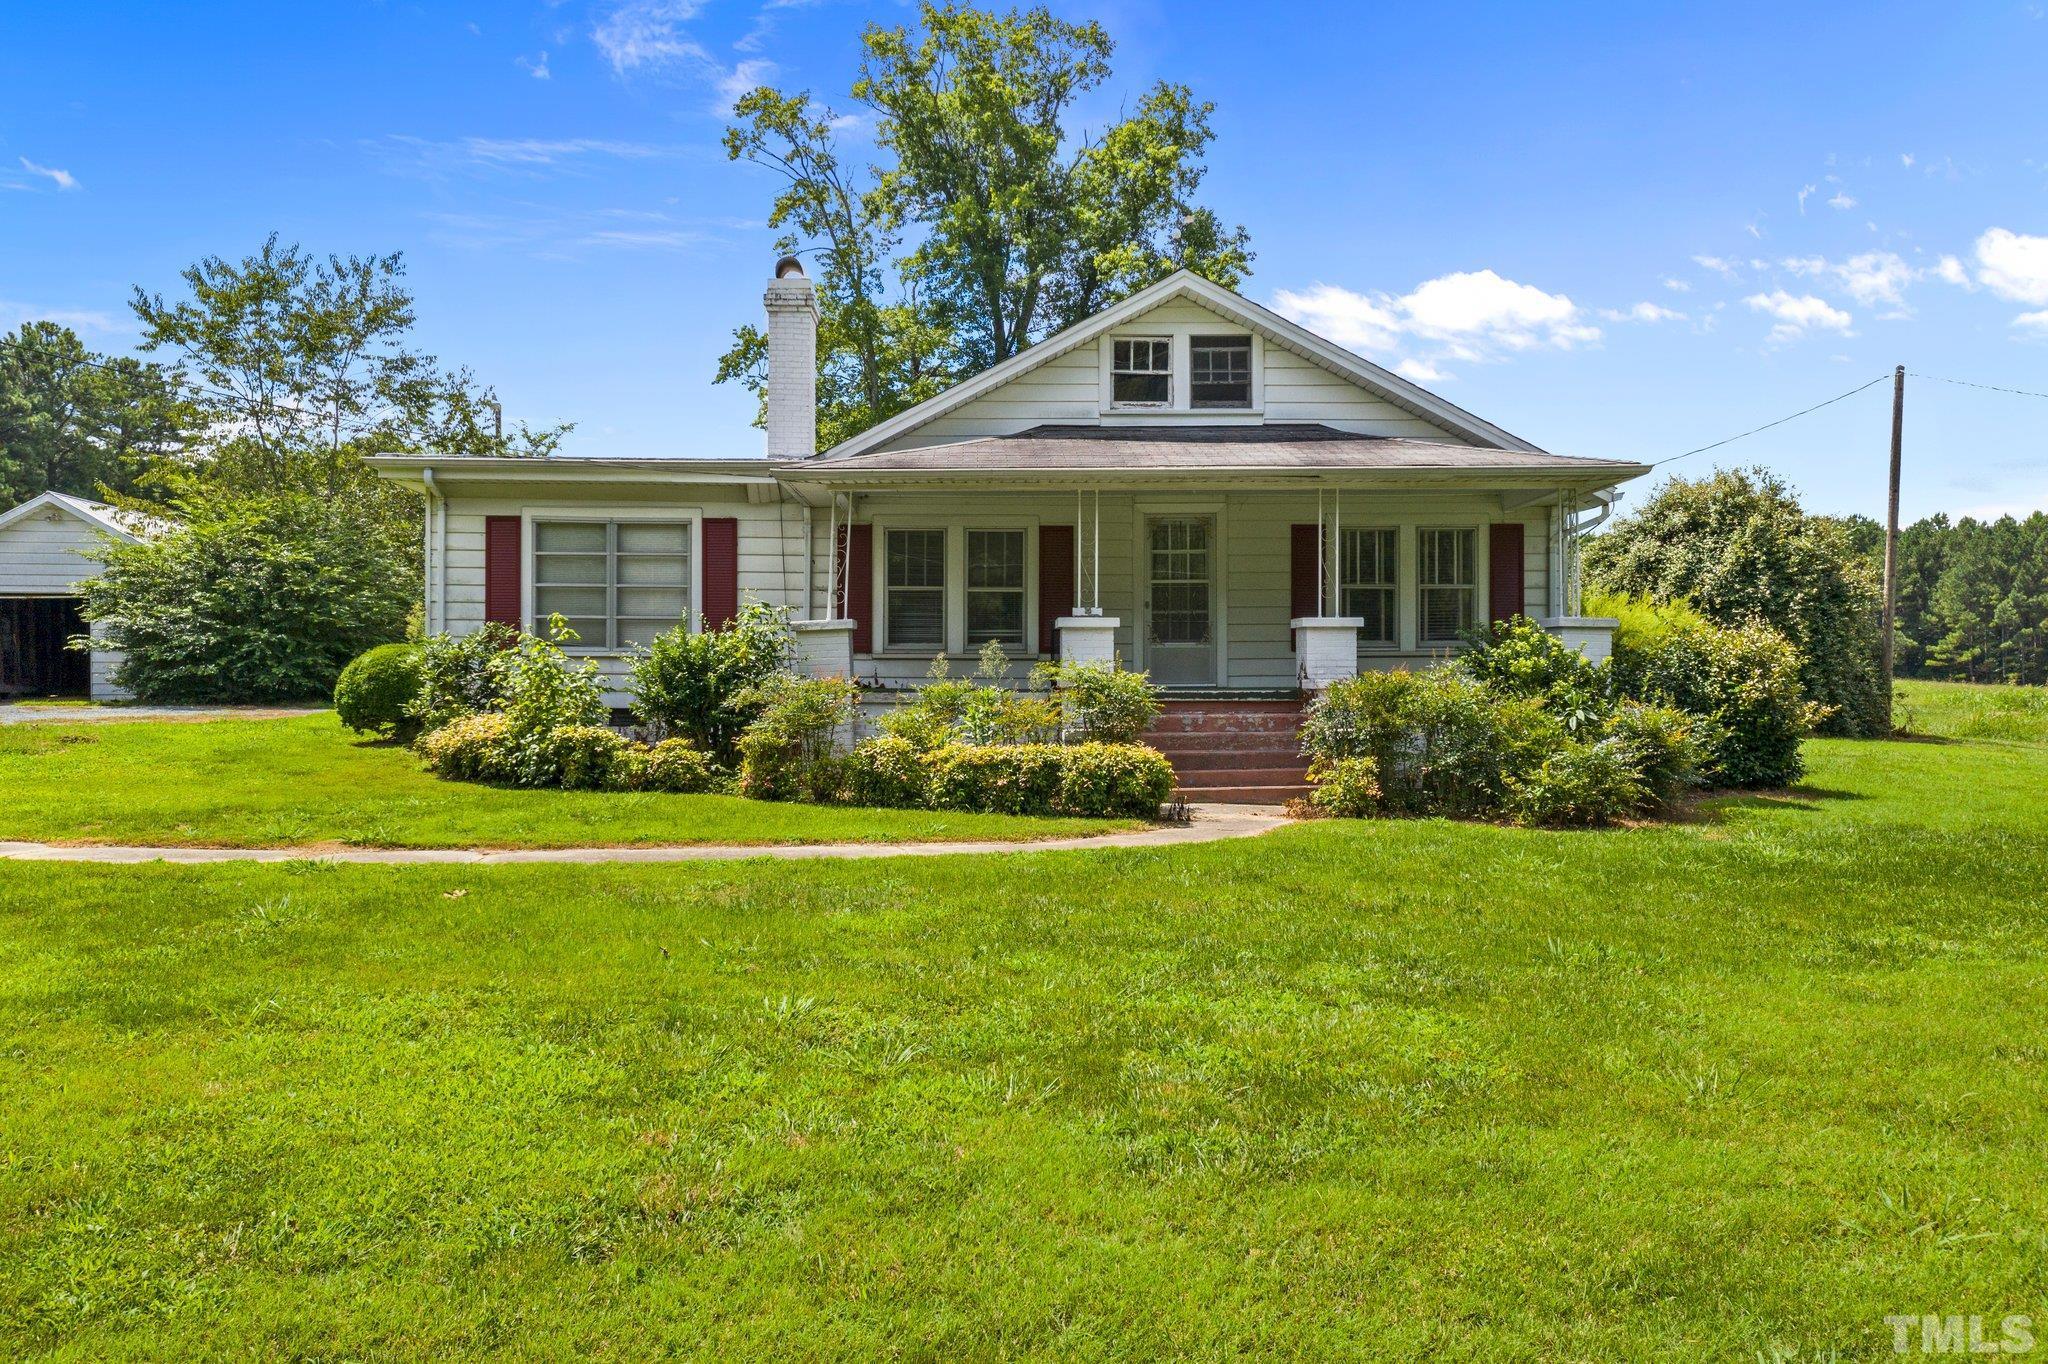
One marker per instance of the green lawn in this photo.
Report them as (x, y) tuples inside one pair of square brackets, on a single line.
[(1732, 1089), (308, 781), (1957, 710)]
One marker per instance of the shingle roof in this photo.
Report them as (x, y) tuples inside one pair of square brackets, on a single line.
[(1281, 446)]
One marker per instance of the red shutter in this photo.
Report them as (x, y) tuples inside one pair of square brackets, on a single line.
[(721, 570), (1304, 579), (1055, 583), (1504, 570), (860, 584), (501, 570)]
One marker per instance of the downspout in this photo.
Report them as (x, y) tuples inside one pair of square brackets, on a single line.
[(434, 580)]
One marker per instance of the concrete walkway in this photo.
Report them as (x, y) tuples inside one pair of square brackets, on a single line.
[(29, 713), (1207, 824)]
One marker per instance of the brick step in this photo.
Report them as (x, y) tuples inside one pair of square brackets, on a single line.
[(1225, 724), (1242, 776), (1212, 761), (1245, 795)]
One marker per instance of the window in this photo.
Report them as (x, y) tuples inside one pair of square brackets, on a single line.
[(1141, 372), (1448, 584), (617, 583), (1365, 582), (995, 586), (914, 589), (1220, 371)]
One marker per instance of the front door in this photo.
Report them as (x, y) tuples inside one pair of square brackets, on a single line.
[(1180, 607)]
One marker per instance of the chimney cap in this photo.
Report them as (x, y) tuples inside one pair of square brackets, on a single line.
[(787, 266)]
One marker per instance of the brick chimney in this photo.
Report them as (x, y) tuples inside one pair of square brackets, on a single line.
[(792, 302)]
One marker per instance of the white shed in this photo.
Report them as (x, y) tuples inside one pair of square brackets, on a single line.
[(45, 549)]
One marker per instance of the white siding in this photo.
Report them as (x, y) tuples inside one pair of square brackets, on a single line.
[(40, 557)]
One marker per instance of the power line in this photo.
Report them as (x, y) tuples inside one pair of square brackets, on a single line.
[(1965, 383), (1768, 425)]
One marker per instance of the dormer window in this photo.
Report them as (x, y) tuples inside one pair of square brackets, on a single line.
[(1141, 372), (1220, 371)]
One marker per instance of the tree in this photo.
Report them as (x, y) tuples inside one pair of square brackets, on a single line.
[(1738, 548), (78, 422), (1020, 225), (1973, 599)]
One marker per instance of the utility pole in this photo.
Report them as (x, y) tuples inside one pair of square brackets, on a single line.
[(1891, 537)]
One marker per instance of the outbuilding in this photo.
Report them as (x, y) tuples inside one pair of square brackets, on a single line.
[(46, 548)]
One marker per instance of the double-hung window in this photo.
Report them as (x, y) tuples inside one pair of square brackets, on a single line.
[(1447, 584), (1220, 371), (914, 589), (617, 583), (1141, 371), (1365, 582), (995, 587)]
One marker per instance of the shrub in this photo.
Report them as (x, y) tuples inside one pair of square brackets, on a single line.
[(690, 685), (788, 752), (1742, 683), (1660, 746), (1579, 784), (950, 709), (469, 748), (677, 766), (457, 676), (375, 693), (888, 771), (1004, 779), (1441, 742), (1741, 550), (1348, 788), (1125, 781), (251, 599), (545, 692), (1100, 703), (1518, 657), (581, 756)]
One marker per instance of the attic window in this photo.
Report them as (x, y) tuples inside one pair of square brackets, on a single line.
[(1141, 372), (1220, 371)]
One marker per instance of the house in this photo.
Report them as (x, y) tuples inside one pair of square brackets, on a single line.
[(1186, 483), (46, 549)]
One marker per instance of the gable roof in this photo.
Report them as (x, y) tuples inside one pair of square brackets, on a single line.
[(1276, 329), (130, 526)]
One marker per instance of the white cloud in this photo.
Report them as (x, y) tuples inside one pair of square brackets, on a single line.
[(1421, 371), (1949, 270), (1842, 200), (1906, 160), (1756, 229), (1872, 278), (1804, 194), (12, 315), (63, 179), (1797, 314), (1677, 285), (2013, 265), (528, 156), (1720, 265), (1642, 312), (741, 80), (1467, 315), (2036, 323), (536, 67), (648, 33)]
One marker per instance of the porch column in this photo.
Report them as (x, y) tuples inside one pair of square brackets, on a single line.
[(1087, 639), (824, 648), (1325, 649), (1592, 636)]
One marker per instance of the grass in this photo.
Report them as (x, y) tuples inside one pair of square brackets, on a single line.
[(1736, 1088), (1960, 710), (309, 782)]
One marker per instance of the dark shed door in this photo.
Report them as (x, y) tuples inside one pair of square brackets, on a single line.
[(33, 659)]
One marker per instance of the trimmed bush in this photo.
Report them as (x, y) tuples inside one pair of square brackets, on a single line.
[(375, 692), (582, 756), (788, 752), (1742, 682), (1002, 779), (1580, 784), (678, 766), (958, 710), (1124, 781), (890, 771), (1660, 745), (692, 685), (1348, 788), (470, 748)]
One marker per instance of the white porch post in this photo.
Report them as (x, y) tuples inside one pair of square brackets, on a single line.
[(824, 648), (1087, 636), (1326, 645)]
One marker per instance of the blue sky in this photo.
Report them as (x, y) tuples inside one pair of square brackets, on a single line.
[(1617, 230)]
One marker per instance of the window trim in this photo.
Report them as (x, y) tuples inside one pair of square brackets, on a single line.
[(1181, 405), (1171, 373), (1024, 638), (1391, 586), (690, 518), (885, 589), (1195, 340), (955, 526), (1473, 588)]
